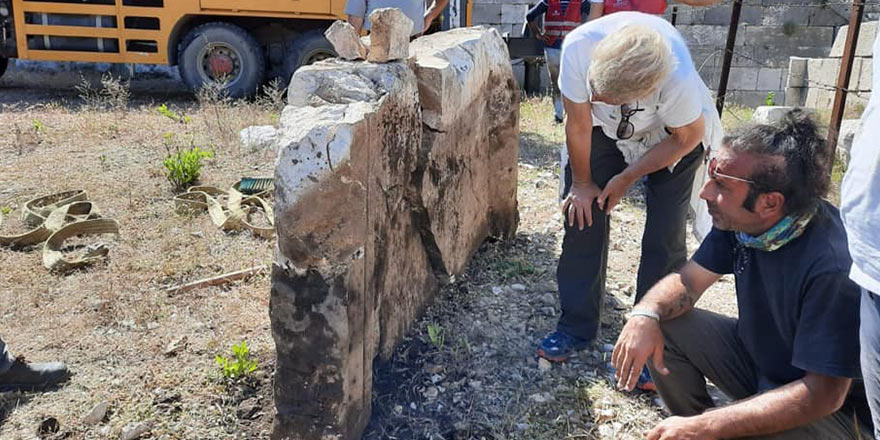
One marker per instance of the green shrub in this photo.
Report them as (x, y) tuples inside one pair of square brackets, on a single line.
[(183, 167), (436, 335), (240, 365)]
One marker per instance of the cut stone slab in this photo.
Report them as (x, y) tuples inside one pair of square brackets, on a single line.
[(771, 114), (850, 129), (259, 137), (351, 272), (346, 41), (389, 35), (470, 109)]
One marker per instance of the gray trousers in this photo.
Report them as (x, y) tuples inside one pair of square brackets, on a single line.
[(701, 345), (869, 336), (582, 266)]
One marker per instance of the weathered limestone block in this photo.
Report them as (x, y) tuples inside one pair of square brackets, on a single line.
[(850, 129), (771, 114), (470, 109), (350, 270), (346, 41), (259, 137), (390, 29)]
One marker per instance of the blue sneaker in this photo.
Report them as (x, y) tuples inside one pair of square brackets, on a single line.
[(559, 346), (644, 382)]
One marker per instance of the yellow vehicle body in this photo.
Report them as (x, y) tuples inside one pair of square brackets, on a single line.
[(155, 43)]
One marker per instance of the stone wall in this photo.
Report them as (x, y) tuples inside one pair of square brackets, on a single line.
[(812, 81), (770, 32), (388, 178)]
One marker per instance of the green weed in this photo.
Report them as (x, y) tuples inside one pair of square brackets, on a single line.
[(241, 365), (770, 100), (5, 211), (436, 335), (514, 268), (180, 118), (183, 166)]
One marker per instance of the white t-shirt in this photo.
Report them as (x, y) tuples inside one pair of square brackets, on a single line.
[(860, 192), (679, 101)]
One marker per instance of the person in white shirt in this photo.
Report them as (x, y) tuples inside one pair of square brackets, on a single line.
[(860, 211), (637, 108)]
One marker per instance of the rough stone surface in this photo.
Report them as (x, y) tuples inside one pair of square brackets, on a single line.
[(389, 35), (374, 208), (849, 129), (470, 109), (346, 41), (771, 114), (259, 137)]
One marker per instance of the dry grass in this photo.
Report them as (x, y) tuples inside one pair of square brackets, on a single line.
[(111, 323)]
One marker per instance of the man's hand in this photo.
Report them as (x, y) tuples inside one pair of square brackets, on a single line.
[(579, 204), (681, 428), (613, 192), (639, 340), (547, 39)]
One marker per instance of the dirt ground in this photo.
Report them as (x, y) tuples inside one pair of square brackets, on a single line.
[(478, 376)]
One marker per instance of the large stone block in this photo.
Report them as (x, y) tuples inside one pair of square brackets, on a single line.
[(390, 30), (743, 78), (485, 13), (513, 13), (720, 15), (470, 108), (375, 207), (794, 35), (867, 34), (769, 79), (350, 270)]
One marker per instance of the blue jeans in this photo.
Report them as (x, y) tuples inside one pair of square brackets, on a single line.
[(869, 338)]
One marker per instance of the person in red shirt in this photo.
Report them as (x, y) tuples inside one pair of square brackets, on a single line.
[(657, 7)]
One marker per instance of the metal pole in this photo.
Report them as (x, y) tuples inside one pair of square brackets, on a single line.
[(674, 15), (728, 55), (843, 76)]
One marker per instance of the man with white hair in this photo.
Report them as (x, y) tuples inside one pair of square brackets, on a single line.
[(637, 108)]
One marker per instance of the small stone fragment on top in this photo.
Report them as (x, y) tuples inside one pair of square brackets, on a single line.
[(390, 30), (346, 41)]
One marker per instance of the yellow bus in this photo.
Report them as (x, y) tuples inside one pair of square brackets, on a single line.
[(238, 43)]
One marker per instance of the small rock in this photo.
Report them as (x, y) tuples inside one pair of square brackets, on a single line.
[(549, 311), (176, 346), (412, 405), (497, 290), (475, 384), (346, 41), (248, 408), (607, 348), (258, 137), (549, 299), (437, 378), (175, 231), (604, 415), (96, 414), (431, 393), (389, 35), (522, 426), (398, 409), (131, 432), (198, 234), (541, 397), (544, 365), (518, 287)]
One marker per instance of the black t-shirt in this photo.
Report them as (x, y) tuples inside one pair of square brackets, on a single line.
[(798, 309)]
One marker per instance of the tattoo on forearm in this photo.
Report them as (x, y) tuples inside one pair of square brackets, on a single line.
[(679, 305)]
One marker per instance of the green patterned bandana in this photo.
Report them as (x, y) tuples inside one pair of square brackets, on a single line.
[(779, 235)]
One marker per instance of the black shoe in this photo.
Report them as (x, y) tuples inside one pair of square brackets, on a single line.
[(23, 376), (557, 119)]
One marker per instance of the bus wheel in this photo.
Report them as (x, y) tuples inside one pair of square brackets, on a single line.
[(222, 53)]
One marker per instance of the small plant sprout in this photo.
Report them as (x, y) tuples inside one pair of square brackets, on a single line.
[(5, 210), (770, 100), (183, 166), (436, 335), (240, 365), (103, 159), (38, 127), (180, 118)]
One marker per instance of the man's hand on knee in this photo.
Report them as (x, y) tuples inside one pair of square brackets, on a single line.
[(639, 340)]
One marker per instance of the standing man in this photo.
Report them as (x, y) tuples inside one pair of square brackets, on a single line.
[(636, 107), (358, 12), (860, 210), (560, 18), (790, 357)]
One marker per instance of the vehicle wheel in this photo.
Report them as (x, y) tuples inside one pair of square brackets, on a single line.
[(4, 62), (222, 52), (306, 49)]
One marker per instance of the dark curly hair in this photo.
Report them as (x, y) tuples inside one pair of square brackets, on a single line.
[(803, 176)]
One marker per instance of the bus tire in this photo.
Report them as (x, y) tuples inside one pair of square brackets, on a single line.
[(222, 52), (307, 48)]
